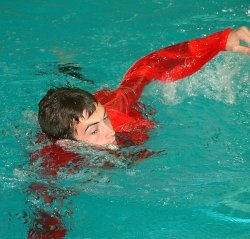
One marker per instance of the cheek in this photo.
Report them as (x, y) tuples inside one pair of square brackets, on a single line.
[(79, 132), (95, 139), (79, 135)]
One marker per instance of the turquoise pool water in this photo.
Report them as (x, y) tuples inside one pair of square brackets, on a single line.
[(198, 188)]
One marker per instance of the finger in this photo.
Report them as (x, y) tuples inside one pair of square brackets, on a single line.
[(242, 49), (246, 30)]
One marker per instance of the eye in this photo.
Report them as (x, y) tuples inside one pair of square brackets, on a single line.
[(94, 132)]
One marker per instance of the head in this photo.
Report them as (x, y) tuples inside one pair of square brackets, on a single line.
[(72, 113)]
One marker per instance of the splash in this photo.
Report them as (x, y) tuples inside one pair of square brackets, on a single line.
[(222, 80)]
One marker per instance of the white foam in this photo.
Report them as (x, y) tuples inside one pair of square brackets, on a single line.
[(220, 80)]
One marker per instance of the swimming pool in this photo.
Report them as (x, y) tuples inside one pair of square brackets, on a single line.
[(197, 188)]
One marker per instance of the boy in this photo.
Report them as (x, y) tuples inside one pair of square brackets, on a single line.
[(70, 113), (112, 117), (109, 118)]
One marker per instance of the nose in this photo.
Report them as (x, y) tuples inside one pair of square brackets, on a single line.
[(109, 131)]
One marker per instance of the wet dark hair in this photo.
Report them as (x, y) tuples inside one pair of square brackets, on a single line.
[(61, 108)]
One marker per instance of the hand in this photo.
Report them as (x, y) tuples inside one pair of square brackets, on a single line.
[(234, 38)]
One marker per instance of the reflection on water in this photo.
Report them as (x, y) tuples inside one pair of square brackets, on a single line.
[(234, 208)]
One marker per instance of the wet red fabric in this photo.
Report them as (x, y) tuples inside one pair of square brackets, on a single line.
[(47, 226), (168, 64)]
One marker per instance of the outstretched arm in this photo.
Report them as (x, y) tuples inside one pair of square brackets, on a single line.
[(181, 60)]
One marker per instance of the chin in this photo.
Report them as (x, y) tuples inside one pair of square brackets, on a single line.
[(112, 146), (111, 143), (114, 142)]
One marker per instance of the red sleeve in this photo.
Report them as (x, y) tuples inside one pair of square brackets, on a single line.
[(170, 64)]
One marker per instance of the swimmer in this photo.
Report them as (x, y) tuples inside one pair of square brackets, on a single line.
[(112, 117)]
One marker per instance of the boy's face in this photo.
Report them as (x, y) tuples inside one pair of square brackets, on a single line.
[(96, 129)]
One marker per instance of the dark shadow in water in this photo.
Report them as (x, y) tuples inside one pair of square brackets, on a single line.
[(72, 70), (67, 69)]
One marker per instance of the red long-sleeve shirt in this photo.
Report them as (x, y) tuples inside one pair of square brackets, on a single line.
[(168, 64)]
